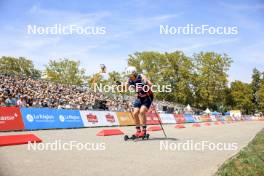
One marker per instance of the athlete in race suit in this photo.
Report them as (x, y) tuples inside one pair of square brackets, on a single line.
[(144, 98)]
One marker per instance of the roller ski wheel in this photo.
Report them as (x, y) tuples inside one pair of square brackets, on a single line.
[(147, 136), (126, 137), (134, 137)]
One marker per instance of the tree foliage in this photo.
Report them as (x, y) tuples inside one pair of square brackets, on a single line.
[(166, 69), (18, 66), (199, 81), (242, 97), (65, 71), (210, 79), (260, 98)]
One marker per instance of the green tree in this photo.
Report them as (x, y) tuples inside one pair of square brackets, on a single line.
[(147, 63), (257, 79), (260, 95), (227, 99), (210, 79), (18, 66), (242, 96), (65, 71), (176, 70), (173, 69), (113, 77)]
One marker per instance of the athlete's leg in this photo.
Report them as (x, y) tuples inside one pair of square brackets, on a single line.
[(136, 121), (142, 112), (142, 116), (136, 116)]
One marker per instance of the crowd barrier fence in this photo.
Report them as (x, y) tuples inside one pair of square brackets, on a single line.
[(14, 118)]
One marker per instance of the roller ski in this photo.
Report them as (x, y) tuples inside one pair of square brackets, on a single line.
[(138, 135)]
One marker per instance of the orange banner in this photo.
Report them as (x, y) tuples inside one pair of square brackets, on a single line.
[(205, 118), (125, 118)]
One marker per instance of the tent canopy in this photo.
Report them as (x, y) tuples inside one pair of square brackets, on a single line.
[(188, 108), (207, 111)]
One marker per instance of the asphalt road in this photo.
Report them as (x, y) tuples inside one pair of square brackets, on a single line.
[(180, 154)]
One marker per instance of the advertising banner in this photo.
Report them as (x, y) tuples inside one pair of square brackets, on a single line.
[(179, 118), (247, 117), (205, 118), (45, 118), (228, 118), (10, 119), (261, 118), (125, 118), (70, 118), (213, 118), (110, 118), (152, 117), (99, 118), (197, 118), (188, 118), (167, 118), (235, 115)]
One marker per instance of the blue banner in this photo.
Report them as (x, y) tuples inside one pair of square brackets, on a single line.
[(188, 118), (45, 118)]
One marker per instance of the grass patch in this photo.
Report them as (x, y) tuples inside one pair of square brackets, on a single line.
[(248, 162)]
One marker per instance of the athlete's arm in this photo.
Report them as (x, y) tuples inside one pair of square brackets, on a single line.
[(146, 80)]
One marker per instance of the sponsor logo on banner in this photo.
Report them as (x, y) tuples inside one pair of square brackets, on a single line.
[(4, 119), (61, 117), (92, 118), (10, 119), (99, 118), (152, 117), (40, 118), (196, 118), (69, 118), (30, 118), (110, 118)]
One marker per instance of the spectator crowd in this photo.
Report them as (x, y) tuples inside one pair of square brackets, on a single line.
[(29, 92)]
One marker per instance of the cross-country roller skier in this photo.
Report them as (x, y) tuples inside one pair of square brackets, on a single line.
[(143, 101)]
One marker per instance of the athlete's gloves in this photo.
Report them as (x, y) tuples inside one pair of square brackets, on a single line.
[(118, 83)]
